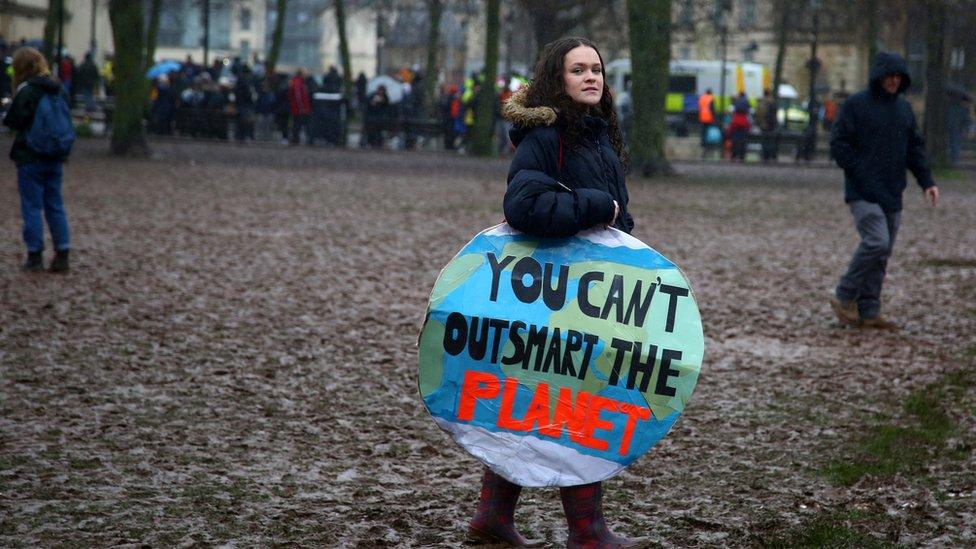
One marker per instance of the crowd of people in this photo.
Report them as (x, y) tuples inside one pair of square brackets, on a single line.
[(233, 97)]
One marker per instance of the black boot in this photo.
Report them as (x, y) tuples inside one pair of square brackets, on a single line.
[(35, 262), (60, 262), (494, 522)]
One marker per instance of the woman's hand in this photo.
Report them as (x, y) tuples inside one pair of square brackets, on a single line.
[(616, 212)]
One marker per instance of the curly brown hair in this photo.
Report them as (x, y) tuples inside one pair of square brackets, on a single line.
[(549, 90), (27, 63)]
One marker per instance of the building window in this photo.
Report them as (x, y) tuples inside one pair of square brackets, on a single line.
[(245, 19)]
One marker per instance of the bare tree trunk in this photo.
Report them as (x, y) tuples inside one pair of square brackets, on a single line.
[(128, 133), (54, 9), (154, 8), (279, 30), (871, 36), (483, 133), (650, 54), (340, 14), (347, 89), (936, 115), (782, 28), (435, 8), (544, 29), (551, 19)]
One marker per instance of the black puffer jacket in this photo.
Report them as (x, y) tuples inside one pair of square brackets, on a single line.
[(20, 117), (876, 138), (544, 200)]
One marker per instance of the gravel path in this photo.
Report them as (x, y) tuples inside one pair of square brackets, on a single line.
[(232, 358)]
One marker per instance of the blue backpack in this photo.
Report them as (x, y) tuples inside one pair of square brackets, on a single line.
[(52, 134)]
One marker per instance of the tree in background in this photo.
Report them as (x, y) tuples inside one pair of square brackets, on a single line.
[(781, 14), (131, 90), (552, 19), (276, 36), (435, 9), (936, 106), (347, 86), (340, 15), (55, 9), (483, 133), (650, 54), (154, 8)]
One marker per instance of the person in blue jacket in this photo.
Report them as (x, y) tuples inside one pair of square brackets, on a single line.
[(874, 140), (567, 175), (38, 176)]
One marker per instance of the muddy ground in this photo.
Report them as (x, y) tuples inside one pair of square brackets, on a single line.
[(232, 358)]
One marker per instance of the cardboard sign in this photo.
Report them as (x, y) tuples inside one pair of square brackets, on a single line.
[(558, 362)]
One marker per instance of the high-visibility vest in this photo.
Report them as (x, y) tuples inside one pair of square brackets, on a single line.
[(705, 115)]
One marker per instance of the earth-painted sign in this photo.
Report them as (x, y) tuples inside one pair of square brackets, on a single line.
[(558, 362)]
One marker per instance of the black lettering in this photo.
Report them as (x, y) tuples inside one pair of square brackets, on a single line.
[(574, 342), (497, 325), (516, 339), (675, 292), (496, 271), (638, 307), (535, 338), (477, 345), (455, 333), (531, 267), (583, 293), (616, 298), (637, 366), (553, 353), (622, 346), (590, 340), (666, 371), (555, 297)]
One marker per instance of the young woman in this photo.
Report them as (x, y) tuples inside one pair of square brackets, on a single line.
[(566, 176), (38, 177)]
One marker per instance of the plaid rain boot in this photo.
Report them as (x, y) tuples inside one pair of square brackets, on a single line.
[(494, 522), (584, 514)]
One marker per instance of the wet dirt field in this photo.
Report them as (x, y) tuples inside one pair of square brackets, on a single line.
[(232, 358)]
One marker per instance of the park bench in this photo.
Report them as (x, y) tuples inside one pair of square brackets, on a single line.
[(429, 129), (787, 139)]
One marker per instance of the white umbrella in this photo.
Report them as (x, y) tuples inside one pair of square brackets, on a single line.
[(394, 89)]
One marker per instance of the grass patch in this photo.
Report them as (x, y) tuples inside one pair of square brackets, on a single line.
[(831, 529), (949, 262), (919, 436), (950, 173)]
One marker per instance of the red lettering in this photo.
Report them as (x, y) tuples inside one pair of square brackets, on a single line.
[(567, 415), (505, 419), (538, 412), (593, 422), (581, 419), (633, 414), (476, 385)]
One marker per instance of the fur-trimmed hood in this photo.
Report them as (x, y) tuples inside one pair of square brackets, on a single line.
[(525, 118), (517, 113)]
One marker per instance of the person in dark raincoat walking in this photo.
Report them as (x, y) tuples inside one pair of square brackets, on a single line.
[(875, 140)]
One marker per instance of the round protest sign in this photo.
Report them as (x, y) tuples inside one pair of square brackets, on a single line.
[(558, 362)]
